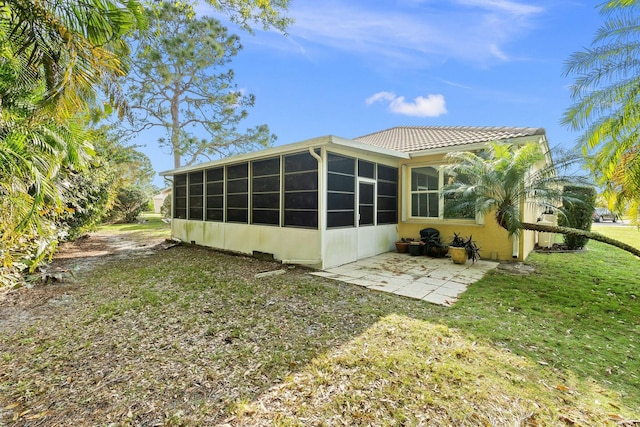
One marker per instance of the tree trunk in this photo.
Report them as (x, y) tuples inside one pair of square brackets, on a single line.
[(591, 235), (175, 124)]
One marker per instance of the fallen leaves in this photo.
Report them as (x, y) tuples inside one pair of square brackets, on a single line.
[(195, 339), (564, 388)]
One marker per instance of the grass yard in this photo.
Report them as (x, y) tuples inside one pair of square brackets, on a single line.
[(625, 233), (150, 225), (189, 336)]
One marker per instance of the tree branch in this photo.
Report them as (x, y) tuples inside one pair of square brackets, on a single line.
[(591, 235)]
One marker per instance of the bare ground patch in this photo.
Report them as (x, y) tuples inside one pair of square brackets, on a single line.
[(189, 336), (21, 306)]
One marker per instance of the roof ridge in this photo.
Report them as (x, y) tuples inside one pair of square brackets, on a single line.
[(453, 127), (373, 133), (420, 138)]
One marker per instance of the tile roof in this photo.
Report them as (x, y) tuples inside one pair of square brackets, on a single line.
[(420, 138)]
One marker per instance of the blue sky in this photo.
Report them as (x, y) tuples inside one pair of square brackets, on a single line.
[(353, 67)]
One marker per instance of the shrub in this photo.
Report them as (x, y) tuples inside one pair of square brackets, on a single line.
[(130, 202), (165, 209), (87, 197), (578, 203)]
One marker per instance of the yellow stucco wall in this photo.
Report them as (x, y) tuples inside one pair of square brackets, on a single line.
[(493, 240), (528, 238)]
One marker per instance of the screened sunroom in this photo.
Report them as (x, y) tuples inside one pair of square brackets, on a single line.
[(322, 202)]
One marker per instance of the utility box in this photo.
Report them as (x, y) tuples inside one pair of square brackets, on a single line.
[(546, 240), (552, 218)]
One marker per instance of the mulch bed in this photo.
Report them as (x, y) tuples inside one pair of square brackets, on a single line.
[(558, 248)]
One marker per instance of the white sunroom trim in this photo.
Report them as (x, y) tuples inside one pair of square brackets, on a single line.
[(324, 141)]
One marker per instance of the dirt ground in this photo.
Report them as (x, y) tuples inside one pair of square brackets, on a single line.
[(21, 306), (197, 338)]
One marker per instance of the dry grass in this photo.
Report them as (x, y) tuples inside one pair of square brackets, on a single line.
[(188, 336), (404, 371)]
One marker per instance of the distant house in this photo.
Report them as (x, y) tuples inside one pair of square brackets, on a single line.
[(329, 201), (158, 199)]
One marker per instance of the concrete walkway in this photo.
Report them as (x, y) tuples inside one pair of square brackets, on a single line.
[(436, 280)]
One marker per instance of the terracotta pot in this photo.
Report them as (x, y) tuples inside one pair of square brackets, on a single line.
[(458, 255), (402, 247)]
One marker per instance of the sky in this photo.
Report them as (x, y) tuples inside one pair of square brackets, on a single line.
[(353, 67)]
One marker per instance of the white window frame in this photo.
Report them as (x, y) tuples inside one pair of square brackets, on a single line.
[(440, 171), (375, 200), (441, 176)]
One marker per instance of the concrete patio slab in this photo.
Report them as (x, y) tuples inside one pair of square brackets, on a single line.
[(384, 287), (441, 299), (435, 280)]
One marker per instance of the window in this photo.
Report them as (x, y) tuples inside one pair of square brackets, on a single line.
[(341, 191), (300, 191), (196, 195), (265, 191), (366, 203), (387, 195), (425, 187), (366, 169), (215, 194), (427, 200), (467, 212), (238, 193), (180, 196)]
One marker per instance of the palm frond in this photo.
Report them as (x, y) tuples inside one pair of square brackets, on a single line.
[(502, 178), (606, 94)]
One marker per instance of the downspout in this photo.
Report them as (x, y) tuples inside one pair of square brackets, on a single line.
[(315, 156), (315, 262), (516, 239), (403, 190), (321, 199), (173, 200)]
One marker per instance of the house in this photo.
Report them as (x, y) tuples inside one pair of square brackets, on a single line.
[(158, 199), (329, 201)]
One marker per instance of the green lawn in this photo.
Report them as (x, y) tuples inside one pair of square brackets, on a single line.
[(579, 313), (150, 225), (625, 233), (189, 336)]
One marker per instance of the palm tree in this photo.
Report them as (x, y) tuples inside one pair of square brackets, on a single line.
[(33, 149), (503, 179), (621, 183), (499, 180), (606, 93), (74, 47), (56, 57)]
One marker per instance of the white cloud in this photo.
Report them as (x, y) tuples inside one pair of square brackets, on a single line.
[(511, 7), (380, 96), (421, 33), (456, 84), (433, 105), (497, 52)]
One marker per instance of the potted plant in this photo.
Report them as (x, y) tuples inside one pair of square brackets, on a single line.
[(402, 245), (433, 245), (461, 249), (416, 247)]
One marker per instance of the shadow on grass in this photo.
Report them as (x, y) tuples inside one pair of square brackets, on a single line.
[(555, 348), (191, 337), (188, 333), (579, 312)]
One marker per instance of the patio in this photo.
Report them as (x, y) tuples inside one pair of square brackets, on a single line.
[(435, 280)]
